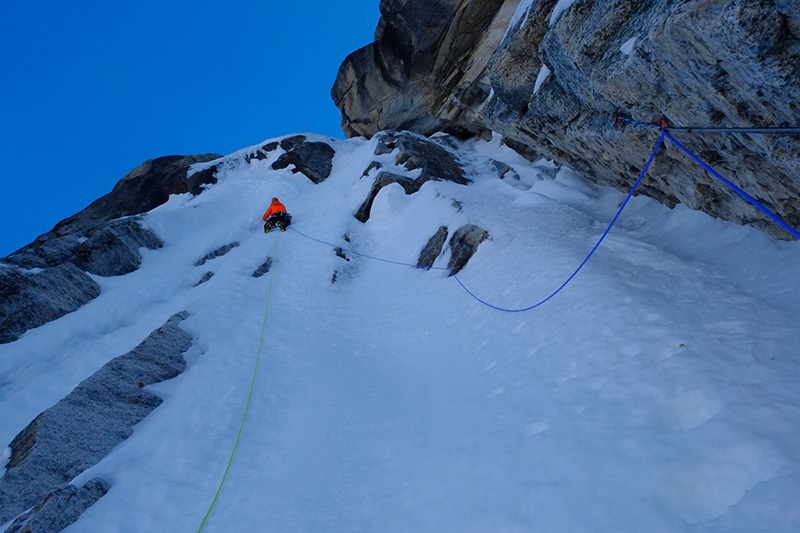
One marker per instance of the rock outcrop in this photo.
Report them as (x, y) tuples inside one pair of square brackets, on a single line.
[(313, 159), (463, 245), (60, 508), (421, 54), (110, 223), (47, 278), (219, 252), (412, 153), (108, 249), (30, 299), (551, 76), (263, 268), (90, 421), (144, 188), (432, 248)]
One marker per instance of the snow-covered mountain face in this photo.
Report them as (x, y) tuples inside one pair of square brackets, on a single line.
[(656, 392)]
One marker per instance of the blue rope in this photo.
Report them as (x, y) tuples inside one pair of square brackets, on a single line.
[(637, 123), (561, 287), (596, 246), (771, 131), (761, 207), (703, 129), (351, 251)]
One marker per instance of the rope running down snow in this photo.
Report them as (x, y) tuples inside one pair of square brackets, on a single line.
[(559, 289), (249, 394)]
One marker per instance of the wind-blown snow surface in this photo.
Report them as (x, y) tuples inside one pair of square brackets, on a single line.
[(658, 392)]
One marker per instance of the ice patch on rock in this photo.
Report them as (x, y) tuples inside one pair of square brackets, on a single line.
[(544, 73), (5, 455), (627, 46), (561, 6)]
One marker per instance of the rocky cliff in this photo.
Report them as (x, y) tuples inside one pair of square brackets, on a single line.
[(82, 428), (550, 76), (50, 277)]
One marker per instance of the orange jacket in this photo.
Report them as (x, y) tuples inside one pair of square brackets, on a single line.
[(275, 207)]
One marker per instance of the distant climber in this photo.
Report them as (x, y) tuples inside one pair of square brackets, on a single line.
[(276, 215)]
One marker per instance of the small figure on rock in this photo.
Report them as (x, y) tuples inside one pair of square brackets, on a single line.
[(276, 215)]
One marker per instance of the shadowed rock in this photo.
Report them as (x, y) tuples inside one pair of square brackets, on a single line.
[(111, 249), (108, 224), (263, 268), (312, 159), (206, 277), (262, 153), (416, 152), (104, 239), (144, 188), (432, 249), (90, 421), (339, 252), (31, 299), (374, 165), (219, 252), (35, 298), (463, 245), (60, 508), (413, 153), (409, 185), (423, 52)]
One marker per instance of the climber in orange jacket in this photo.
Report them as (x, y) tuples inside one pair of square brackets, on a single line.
[(276, 214)]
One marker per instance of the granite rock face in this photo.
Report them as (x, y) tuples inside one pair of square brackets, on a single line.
[(90, 421), (551, 83), (113, 249), (60, 508), (433, 248), (50, 277), (463, 245), (140, 190), (47, 278), (109, 225), (30, 299), (423, 51), (313, 159), (109, 249), (412, 153)]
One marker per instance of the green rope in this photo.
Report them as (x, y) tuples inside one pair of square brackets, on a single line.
[(249, 396)]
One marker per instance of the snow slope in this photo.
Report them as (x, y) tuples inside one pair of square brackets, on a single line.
[(657, 392)]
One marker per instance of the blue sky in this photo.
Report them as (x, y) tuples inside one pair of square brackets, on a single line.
[(92, 89)]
